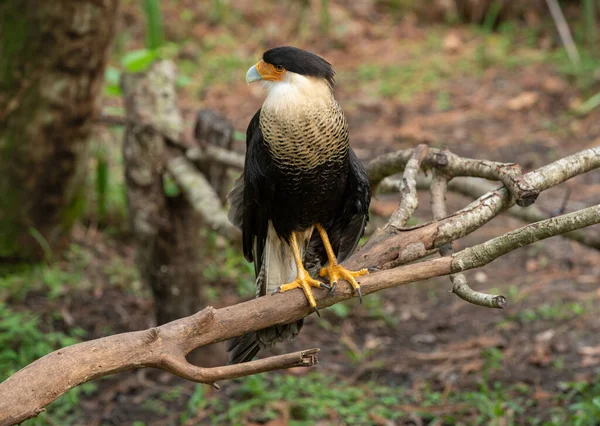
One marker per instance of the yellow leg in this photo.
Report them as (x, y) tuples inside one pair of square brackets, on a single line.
[(304, 280), (336, 271)]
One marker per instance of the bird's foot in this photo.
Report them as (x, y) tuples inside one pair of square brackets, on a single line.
[(335, 272), (305, 282)]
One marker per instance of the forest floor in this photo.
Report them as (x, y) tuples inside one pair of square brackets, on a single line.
[(412, 355)]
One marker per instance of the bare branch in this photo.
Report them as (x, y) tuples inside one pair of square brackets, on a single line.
[(179, 366), (408, 189), (221, 156), (460, 287), (402, 246), (486, 252), (509, 174), (466, 293), (476, 187), (439, 189), (564, 32), (201, 195)]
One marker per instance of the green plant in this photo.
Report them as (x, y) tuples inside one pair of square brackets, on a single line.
[(53, 279), (22, 341), (154, 25)]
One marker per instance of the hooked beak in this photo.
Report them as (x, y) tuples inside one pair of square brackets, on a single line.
[(252, 75)]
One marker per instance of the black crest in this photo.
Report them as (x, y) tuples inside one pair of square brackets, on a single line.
[(300, 61)]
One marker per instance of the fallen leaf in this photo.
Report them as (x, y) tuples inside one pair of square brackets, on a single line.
[(554, 85), (523, 101), (589, 361), (589, 350), (472, 366), (545, 336), (452, 43), (540, 356)]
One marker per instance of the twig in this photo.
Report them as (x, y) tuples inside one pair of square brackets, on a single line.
[(222, 156), (408, 189), (484, 253), (409, 245), (460, 287), (476, 187), (179, 366), (201, 195), (453, 165), (564, 32)]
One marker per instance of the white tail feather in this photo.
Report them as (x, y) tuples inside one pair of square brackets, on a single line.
[(278, 261)]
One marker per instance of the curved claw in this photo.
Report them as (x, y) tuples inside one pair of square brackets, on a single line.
[(332, 288), (359, 294), (323, 285), (317, 311)]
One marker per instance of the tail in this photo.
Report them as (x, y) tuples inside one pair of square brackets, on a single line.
[(277, 268)]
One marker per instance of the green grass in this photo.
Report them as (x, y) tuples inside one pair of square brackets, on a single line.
[(427, 66), (54, 279), (316, 398), (562, 311)]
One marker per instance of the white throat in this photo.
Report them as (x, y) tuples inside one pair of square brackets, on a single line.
[(296, 91)]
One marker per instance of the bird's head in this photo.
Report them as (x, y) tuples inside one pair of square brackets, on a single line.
[(291, 67)]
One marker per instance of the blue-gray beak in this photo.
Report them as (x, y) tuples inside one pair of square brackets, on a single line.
[(252, 75)]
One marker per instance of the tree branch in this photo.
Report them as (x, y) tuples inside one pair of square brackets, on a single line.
[(509, 174), (484, 253), (221, 156), (477, 187), (407, 245), (460, 287), (408, 189), (201, 195)]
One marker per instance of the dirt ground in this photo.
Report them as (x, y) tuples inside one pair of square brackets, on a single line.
[(418, 336)]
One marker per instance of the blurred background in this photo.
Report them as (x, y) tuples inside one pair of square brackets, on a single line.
[(490, 79)]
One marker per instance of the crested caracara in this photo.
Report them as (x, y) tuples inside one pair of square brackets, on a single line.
[(303, 199)]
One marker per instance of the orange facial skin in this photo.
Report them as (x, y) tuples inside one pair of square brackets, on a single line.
[(270, 72)]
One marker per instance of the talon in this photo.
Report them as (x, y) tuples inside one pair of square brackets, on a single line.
[(277, 290), (303, 282), (317, 311), (332, 289), (336, 272), (323, 285), (372, 269)]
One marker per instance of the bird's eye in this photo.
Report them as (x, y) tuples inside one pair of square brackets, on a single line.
[(278, 68)]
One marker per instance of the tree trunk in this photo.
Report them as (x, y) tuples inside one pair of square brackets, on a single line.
[(166, 227), (52, 59)]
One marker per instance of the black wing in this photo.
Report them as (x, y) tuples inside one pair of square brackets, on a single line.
[(349, 225), (258, 190)]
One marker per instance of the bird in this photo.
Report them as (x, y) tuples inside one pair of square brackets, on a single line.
[(302, 202)]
